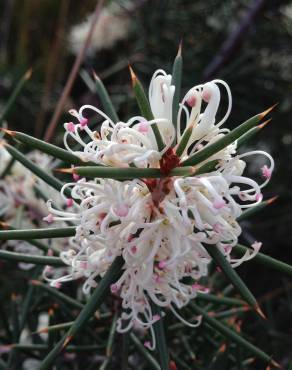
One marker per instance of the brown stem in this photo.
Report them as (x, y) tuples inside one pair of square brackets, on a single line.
[(73, 74)]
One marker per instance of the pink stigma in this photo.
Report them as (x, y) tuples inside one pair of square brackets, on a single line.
[(49, 218), (191, 101), (83, 122), (69, 202), (70, 127), (219, 203), (267, 173), (143, 127), (162, 265), (122, 210)]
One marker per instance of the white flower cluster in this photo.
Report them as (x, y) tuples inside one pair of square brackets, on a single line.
[(21, 201), (159, 226), (112, 26)]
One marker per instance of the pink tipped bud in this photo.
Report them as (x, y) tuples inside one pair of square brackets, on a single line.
[(49, 218), (219, 203), (191, 101), (83, 122), (266, 171), (143, 127), (122, 210), (162, 265), (75, 177), (114, 288), (69, 202), (70, 127), (206, 96)]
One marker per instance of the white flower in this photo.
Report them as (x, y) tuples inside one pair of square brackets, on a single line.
[(112, 26), (159, 226)]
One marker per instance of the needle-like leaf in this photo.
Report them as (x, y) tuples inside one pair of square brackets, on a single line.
[(176, 81), (27, 234), (228, 139), (231, 334), (42, 174), (233, 277), (29, 258), (87, 312), (125, 173), (145, 108), (265, 260)]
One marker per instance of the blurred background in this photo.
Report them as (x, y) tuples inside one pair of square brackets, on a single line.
[(246, 43)]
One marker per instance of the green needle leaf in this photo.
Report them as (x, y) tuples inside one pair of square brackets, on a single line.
[(228, 139), (176, 81), (15, 94), (125, 173), (232, 275), (87, 312), (61, 297), (44, 147), (265, 260), (37, 260), (231, 334), (33, 242), (146, 354), (105, 99), (161, 345), (27, 234), (145, 108), (253, 210), (220, 300), (50, 180)]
